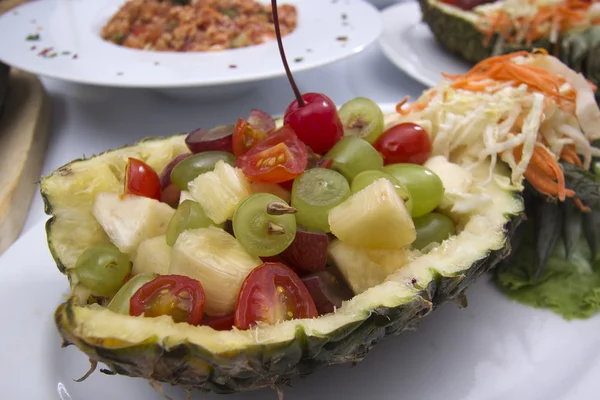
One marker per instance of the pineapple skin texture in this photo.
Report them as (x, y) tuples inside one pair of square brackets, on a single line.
[(193, 366)]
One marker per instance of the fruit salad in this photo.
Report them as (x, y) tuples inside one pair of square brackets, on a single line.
[(252, 225)]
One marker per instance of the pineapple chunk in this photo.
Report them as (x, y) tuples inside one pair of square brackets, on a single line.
[(272, 188), (185, 195), (152, 256), (373, 218), (129, 220), (220, 191), (454, 177), (216, 259), (363, 268), (460, 196)]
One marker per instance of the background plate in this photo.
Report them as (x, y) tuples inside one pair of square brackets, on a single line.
[(409, 44), (71, 49)]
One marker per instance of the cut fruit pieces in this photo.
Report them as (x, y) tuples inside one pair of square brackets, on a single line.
[(152, 256), (218, 261), (373, 218), (362, 268), (220, 191), (128, 220)]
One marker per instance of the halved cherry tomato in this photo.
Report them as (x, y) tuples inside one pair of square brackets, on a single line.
[(141, 179), (223, 323), (245, 137), (178, 296), (272, 292), (404, 143), (278, 158)]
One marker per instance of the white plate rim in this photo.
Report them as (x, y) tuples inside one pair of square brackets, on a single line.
[(366, 26), (397, 20)]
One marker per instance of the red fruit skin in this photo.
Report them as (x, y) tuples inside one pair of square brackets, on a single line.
[(326, 291), (224, 323), (216, 139), (261, 120), (317, 123), (404, 143), (170, 193), (307, 253)]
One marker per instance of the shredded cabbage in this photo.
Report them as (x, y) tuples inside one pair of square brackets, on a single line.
[(470, 128)]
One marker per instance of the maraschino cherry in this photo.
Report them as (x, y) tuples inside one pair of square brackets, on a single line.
[(312, 116)]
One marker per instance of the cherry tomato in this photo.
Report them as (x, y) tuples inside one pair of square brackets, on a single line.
[(223, 323), (245, 136), (467, 4), (404, 143), (178, 296), (316, 123), (141, 179), (278, 158), (272, 292)]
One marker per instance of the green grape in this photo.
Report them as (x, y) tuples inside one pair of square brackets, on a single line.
[(362, 118), (197, 164), (314, 193), (596, 168), (189, 215), (120, 303), (432, 227), (424, 185), (365, 178), (102, 269), (352, 155), (264, 224)]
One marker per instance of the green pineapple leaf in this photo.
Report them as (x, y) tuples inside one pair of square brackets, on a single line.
[(584, 183)]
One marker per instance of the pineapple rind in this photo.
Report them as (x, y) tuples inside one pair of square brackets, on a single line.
[(230, 361)]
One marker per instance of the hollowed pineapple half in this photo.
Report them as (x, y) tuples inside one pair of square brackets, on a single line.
[(458, 32), (227, 361)]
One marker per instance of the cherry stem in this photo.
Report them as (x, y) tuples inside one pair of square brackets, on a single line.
[(283, 57)]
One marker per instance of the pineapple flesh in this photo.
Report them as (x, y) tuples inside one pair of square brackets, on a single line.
[(128, 220), (152, 256), (220, 191), (218, 261), (365, 268), (373, 218)]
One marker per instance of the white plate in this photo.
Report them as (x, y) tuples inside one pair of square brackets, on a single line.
[(327, 31), (409, 44), (493, 350)]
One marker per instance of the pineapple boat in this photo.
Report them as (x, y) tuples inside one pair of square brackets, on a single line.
[(235, 258), (478, 29)]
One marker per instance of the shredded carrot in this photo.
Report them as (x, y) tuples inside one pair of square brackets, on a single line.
[(504, 69), (544, 173), (582, 207), (560, 17), (570, 155), (401, 104)]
